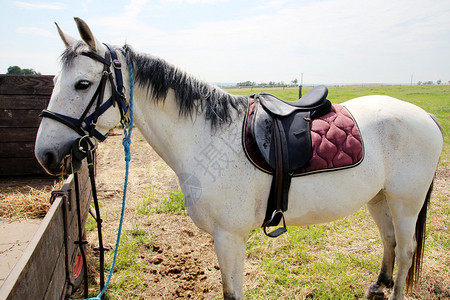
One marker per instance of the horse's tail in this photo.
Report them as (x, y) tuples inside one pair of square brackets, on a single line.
[(416, 267)]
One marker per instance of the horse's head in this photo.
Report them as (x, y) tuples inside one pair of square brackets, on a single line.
[(86, 89)]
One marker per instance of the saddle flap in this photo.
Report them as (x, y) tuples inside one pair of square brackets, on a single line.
[(295, 128), (262, 124), (298, 136)]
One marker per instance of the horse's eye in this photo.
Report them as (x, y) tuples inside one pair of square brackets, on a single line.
[(82, 85)]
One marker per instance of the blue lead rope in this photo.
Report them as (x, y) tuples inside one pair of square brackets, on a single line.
[(126, 146)]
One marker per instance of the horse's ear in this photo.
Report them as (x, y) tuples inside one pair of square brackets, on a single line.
[(87, 36), (68, 40)]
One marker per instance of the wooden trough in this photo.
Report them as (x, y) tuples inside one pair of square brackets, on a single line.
[(50, 266)]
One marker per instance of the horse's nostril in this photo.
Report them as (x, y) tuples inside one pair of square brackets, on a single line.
[(49, 159)]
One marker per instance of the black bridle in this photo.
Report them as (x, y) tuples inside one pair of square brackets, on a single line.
[(85, 125)]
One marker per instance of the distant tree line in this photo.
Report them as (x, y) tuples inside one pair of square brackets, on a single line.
[(16, 70), (270, 83), (430, 82)]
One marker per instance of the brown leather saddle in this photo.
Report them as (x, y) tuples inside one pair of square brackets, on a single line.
[(279, 130)]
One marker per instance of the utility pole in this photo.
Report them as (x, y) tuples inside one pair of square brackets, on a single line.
[(300, 87)]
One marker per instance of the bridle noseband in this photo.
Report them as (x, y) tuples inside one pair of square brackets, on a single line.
[(85, 125)]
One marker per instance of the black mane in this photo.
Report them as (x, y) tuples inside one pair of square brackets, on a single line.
[(192, 95), (158, 76)]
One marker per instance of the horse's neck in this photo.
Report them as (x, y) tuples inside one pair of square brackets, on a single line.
[(175, 138)]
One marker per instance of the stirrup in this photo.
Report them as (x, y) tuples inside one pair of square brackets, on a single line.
[(279, 231)]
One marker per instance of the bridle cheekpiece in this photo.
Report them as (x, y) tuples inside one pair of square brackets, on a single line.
[(85, 125)]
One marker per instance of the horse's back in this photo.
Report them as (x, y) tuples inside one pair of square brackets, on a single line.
[(396, 121), (408, 137)]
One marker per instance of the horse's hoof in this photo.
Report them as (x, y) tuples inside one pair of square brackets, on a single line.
[(374, 296), (374, 292)]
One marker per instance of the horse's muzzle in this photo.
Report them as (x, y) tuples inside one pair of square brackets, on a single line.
[(56, 163)]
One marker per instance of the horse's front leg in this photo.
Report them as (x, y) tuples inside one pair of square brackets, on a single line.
[(230, 251)]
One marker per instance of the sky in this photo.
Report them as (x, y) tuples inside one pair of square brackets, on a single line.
[(220, 41)]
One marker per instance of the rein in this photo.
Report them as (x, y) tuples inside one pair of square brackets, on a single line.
[(126, 146)]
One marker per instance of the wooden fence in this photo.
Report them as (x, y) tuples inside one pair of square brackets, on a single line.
[(46, 268), (22, 98)]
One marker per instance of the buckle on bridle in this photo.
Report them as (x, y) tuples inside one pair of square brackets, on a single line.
[(117, 64)]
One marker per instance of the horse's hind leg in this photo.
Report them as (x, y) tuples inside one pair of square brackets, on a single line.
[(404, 252), (230, 251), (381, 214), (408, 217)]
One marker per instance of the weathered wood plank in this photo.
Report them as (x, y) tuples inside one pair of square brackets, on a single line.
[(18, 134), (22, 98), (20, 166), (20, 117), (56, 287), (24, 101), (25, 85), (17, 150), (72, 222)]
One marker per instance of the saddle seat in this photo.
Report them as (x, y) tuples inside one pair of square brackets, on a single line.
[(311, 101), (280, 130)]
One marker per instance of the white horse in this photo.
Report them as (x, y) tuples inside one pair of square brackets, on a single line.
[(196, 128)]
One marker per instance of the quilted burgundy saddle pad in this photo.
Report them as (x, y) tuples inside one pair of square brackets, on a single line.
[(335, 139)]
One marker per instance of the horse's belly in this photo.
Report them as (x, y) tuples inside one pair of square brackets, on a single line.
[(329, 196)]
